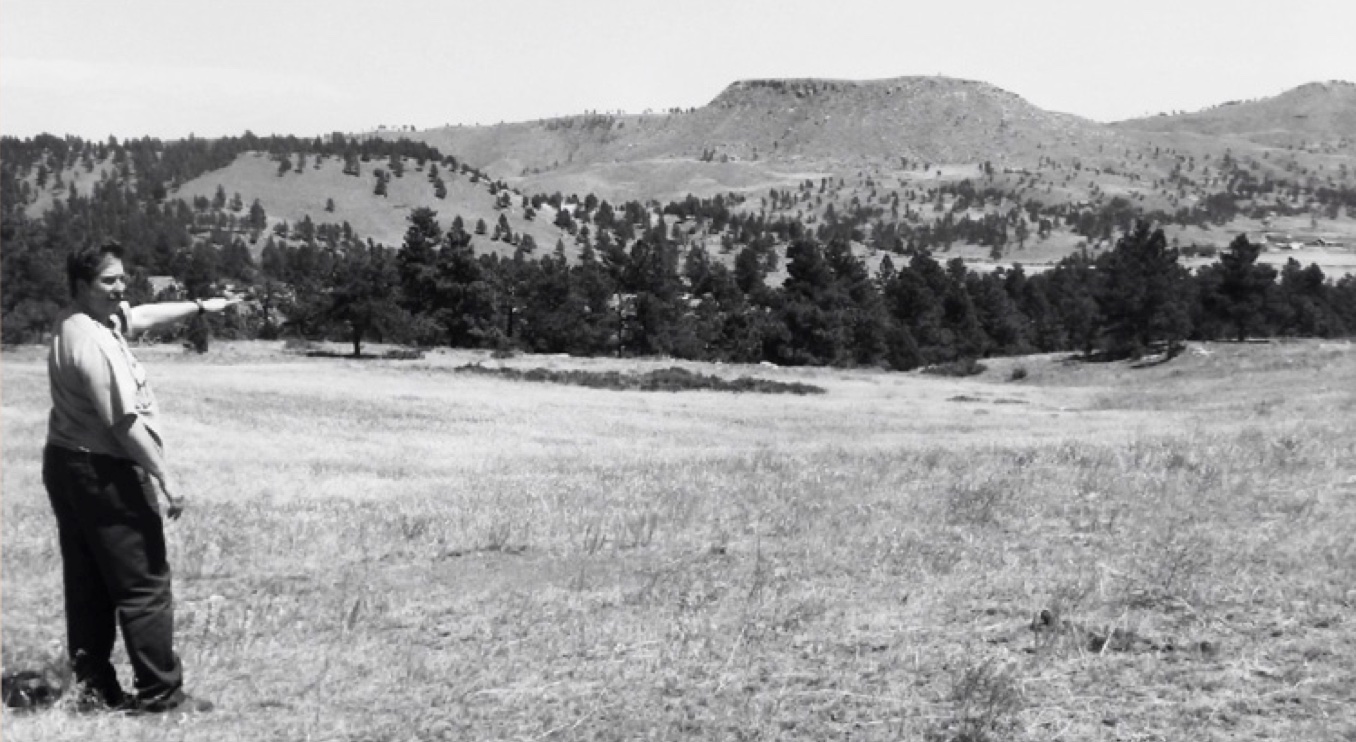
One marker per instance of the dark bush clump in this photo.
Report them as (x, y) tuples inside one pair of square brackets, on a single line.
[(672, 379), (961, 367), (404, 354)]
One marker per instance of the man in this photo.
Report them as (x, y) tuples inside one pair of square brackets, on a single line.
[(105, 472)]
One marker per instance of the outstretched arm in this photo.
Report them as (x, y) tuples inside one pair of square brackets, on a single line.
[(149, 316)]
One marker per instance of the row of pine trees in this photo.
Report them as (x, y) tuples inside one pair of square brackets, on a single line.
[(655, 298)]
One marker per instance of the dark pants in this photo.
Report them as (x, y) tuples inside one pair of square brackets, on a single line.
[(115, 572)]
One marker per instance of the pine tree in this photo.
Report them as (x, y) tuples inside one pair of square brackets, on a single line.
[(257, 218), (960, 315), (913, 301), (1072, 291), (362, 290), (236, 261), (466, 304), (416, 263), (817, 308), (555, 315), (1304, 305), (597, 288), (651, 274), (202, 270), (999, 316), (1236, 290), (749, 273), (1143, 294)]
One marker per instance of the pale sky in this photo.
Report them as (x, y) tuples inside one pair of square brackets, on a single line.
[(170, 68)]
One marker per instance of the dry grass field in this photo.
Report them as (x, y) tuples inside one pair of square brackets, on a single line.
[(389, 550)]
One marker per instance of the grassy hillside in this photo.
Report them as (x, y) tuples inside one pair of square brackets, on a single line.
[(467, 557), (1319, 116), (295, 195), (1137, 172)]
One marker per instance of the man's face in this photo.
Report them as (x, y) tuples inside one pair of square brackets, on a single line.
[(101, 296)]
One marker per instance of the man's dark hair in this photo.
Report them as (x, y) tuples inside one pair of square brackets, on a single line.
[(83, 264)]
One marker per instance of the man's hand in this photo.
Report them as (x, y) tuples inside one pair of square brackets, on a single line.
[(174, 502)]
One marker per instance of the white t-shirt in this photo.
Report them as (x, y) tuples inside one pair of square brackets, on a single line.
[(96, 383)]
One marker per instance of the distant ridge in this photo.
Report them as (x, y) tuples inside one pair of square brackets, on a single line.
[(935, 118), (1315, 113), (794, 121)]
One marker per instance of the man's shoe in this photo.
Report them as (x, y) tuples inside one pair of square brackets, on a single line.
[(87, 700), (179, 704), (97, 705)]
